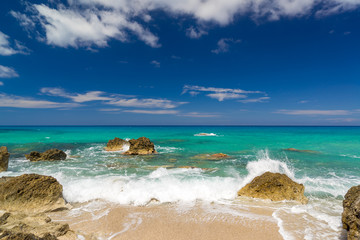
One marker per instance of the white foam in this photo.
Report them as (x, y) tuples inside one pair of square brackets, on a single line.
[(205, 134), (161, 149), (286, 235)]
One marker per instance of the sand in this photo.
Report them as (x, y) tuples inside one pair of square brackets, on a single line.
[(98, 220)]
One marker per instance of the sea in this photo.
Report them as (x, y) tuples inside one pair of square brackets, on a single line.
[(181, 171)]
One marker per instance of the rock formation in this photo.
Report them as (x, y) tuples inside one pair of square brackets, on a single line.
[(213, 157), (274, 186), (116, 144), (31, 193), (4, 159), (140, 146), (298, 150), (20, 226), (351, 213), (48, 155)]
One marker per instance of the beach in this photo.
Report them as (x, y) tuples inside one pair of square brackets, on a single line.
[(183, 191)]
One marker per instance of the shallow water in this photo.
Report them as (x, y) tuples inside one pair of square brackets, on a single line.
[(91, 173)]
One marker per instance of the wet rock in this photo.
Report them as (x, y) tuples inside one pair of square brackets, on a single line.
[(4, 159), (212, 157), (274, 186), (48, 155), (31, 193), (351, 213), (219, 155), (140, 146), (22, 226), (116, 144)]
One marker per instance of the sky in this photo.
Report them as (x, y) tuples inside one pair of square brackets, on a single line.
[(180, 62)]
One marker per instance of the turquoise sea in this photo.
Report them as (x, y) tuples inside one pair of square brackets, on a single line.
[(91, 173)]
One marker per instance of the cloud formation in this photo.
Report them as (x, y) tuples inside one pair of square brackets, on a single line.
[(89, 23), (219, 94), (314, 112), (7, 72), (223, 45), (156, 112), (7, 48), (22, 102), (76, 97)]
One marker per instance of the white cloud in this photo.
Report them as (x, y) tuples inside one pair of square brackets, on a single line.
[(94, 22), (223, 45), (194, 32), (7, 72), (155, 63), (1, 83), (7, 48), (348, 120), (146, 103), (303, 101), (76, 97), (21, 102), (220, 94), (255, 100), (314, 112), (157, 112), (109, 109)]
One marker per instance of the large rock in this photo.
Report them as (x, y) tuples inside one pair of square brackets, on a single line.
[(140, 146), (32, 227), (48, 155), (274, 186), (351, 213), (4, 159), (116, 144), (31, 193)]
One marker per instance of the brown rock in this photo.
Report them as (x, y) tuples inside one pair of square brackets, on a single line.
[(219, 155), (22, 226), (4, 159), (297, 150), (274, 186), (48, 155), (116, 144), (141, 146), (213, 157), (351, 213), (31, 193)]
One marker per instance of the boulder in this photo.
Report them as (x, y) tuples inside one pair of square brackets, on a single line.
[(140, 146), (274, 186), (31, 193), (48, 155), (39, 226), (351, 214), (116, 144), (4, 159)]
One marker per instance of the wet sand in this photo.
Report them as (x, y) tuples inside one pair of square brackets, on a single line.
[(170, 221)]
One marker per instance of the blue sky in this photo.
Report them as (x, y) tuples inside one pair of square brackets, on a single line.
[(189, 62)]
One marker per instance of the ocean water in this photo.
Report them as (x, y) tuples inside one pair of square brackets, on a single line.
[(90, 173)]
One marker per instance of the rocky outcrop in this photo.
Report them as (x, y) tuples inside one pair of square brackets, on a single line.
[(274, 186), (4, 159), (34, 227), (116, 144), (212, 157), (31, 193), (140, 146), (48, 155), (351, 213)]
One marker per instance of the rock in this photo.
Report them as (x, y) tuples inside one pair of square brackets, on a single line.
[(141, 146), (274, 186), (116, 144), (4, 159), (219, 155), (297, 150), (213, 157), (351, 213), (31, 193), (22, 226), (48, 155)]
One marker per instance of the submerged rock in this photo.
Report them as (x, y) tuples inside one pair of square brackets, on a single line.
[(297, 150), (4, 159), (351, 213), (48, 155), (213, 157), (116, 144), (33, 227), (274, 186), (31, 193), (141, 146)]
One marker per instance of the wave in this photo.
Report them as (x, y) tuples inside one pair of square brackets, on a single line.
[(205, 134)]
